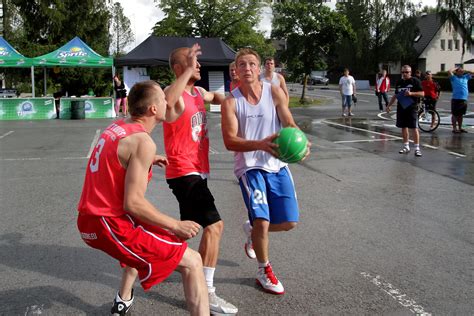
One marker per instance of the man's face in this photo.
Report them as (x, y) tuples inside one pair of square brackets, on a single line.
[(160, 105), (233, 73), (384, 73), (459, 72), (406, 73), (270, 65), (346, 72), (183, 64), (248, 68)]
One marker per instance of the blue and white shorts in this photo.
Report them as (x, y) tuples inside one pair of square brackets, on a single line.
[(270, 196)]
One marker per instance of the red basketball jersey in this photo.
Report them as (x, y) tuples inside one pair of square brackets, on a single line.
[(186, 139), (104, 184)]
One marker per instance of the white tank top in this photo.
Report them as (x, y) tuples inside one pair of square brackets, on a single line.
[(255, 123), (274, 80)]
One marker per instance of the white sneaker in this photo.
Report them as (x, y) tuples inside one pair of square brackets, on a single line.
[(268, 281), (120, 306), (248, 244), (219, 306)]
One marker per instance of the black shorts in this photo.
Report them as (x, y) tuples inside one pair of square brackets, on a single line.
[(430, 103), (407, 117), (458, 107), (196, 202)]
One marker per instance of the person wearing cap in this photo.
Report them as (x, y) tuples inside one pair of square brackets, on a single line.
[(432, 91), (459, 78)]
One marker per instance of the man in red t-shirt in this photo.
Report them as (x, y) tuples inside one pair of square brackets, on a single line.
[(187, 149), (115, 217), (432, 91)]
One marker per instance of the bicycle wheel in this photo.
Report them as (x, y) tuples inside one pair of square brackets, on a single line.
[(428, 120)]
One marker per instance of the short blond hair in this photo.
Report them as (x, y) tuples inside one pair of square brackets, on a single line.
[(247, 51), (176, 56)]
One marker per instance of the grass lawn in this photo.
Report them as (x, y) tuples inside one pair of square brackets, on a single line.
[(295, 102)]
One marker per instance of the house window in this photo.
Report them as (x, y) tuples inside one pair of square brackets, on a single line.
[(442, 44), (456, 44), (450, 44), (443, 67)]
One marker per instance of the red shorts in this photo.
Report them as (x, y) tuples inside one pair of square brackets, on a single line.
[(153, 251)]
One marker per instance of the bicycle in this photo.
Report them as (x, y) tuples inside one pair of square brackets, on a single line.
[(428, 117)]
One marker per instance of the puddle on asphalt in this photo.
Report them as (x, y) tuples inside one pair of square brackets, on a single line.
[(458, 143)]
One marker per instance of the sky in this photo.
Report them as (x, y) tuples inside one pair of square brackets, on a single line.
[(144, 14)]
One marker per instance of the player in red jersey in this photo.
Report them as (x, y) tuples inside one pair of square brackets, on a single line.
[(115, 217), (187, 149)]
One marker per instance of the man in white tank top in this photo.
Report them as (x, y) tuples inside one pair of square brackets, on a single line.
[(251, 119), (269, 75)]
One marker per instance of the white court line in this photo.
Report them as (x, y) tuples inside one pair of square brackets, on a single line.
[(94, 142), (361, 129), (6, 134), (364, 140), (212, 150), (396, 294), (456, 154), (429, 146)]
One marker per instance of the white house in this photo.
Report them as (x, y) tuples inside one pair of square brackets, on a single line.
[(438, 45)]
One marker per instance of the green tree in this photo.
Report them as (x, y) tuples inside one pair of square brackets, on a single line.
[(121, 32), (375, 22), (45, 25), (232, 20), (311, 31)]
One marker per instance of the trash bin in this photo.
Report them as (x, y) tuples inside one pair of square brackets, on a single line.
[(78, 110)]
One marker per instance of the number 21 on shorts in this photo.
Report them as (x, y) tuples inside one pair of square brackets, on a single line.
[(259, 197)]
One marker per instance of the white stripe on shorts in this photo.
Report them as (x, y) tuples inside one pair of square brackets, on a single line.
[(153, 235), (128, 250)]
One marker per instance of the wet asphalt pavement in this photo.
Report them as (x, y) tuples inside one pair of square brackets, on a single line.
[(380, 233)]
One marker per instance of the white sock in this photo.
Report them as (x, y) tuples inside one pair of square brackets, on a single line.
[(406, 145), (417, 146), (209, 275), (262, 264)]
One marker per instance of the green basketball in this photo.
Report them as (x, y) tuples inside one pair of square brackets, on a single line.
[(292, 144)]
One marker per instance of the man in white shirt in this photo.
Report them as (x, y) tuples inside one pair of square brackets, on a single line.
[(347, 88)]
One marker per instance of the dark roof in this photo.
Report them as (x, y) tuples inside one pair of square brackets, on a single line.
[(155, 51), (428, 25)]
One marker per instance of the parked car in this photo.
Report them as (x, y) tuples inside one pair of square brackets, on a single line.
[(313, 79)]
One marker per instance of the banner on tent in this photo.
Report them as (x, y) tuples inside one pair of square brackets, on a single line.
[(95, 107), (27, 109)]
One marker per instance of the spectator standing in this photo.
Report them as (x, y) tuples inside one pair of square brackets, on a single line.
[(432, 91), (347, 88), (120, 96), (459, 79), (270, 76), (382, 87), (407, 92)]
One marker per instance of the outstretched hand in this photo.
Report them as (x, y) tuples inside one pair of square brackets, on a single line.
[(160, 161), (186, 229), (193, 54)]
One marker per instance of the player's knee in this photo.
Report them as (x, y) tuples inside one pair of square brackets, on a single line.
[(194, 261), (216, 228), (289, 225)]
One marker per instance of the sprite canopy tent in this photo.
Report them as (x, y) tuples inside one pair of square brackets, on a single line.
[(75, 53), (10, 57)]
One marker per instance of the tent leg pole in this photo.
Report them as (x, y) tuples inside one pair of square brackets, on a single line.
[(33, 81), (45, 84)]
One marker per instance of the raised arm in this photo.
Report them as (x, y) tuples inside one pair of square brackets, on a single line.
[(230, 127), (141, 156), (175, 106), (451, 71)]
